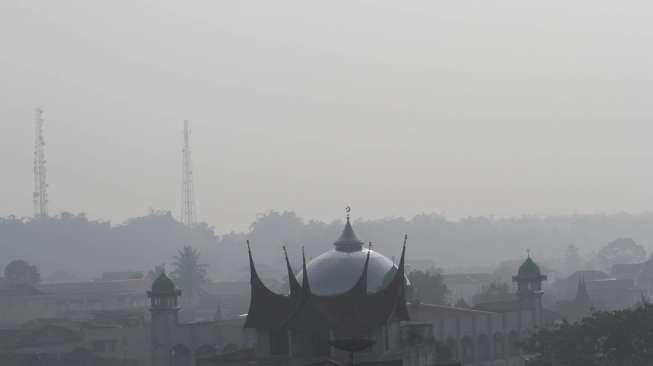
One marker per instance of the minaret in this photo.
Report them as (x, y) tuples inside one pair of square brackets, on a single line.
[(164, 311), (529, 280), (40, 195), (188, 214)]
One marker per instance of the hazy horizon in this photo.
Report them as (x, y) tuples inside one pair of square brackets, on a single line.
[(464, 109)]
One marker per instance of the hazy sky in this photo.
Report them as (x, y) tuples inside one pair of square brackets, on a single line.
[(395, 107)]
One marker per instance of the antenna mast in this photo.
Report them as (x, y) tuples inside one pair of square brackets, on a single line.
[(40, 195), (188, 214)]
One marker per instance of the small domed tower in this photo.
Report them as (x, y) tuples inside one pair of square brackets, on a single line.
[(164, 310), (529, 288)]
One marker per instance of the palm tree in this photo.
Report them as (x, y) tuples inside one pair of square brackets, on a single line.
[(188, 272)]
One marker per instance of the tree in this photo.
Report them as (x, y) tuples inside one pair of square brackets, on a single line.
[(154, 273), (622, 250), (495, 291), (427, 287), (506, 269), (188, 272), (620, 337), (19, 272)]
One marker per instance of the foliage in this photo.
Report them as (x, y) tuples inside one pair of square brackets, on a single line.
[(506, 269), (622, 250), (156, 271), (142, 242), (19, 272), (620, 337), (86, 248), (427, 287), (189, 273), (495, 291)]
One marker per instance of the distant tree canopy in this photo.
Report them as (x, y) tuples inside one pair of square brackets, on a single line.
[(19, 272), (622, 250), (495, 291), (506, 269), (85, 248), (427, 287), (613, 338)]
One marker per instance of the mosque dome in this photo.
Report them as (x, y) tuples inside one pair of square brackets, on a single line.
[(163, 284), (529, 269), (337, 270)]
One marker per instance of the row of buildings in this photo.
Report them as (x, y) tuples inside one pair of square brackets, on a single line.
[(351, 302)]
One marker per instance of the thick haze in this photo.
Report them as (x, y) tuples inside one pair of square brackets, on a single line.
[(460, 107)]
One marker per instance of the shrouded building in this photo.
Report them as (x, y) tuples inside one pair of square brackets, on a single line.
[(353, 298), (345, 298), (182, 344)]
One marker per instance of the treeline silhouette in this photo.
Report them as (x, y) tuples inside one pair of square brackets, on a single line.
[(86, 248)]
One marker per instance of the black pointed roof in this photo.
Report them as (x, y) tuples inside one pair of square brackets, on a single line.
[(265, 306), (348, 241), (305, 282), (355, 312), (294, 287)]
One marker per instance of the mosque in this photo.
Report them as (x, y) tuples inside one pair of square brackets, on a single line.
[(349, 304)]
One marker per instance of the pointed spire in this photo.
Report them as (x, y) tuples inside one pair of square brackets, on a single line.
[(363, 279), (581, 291), (251, 260), (399, 275), (253, 275), (305, 285), (294, 286), (401, 312), (348, 241), (400, 268), (255, 280)]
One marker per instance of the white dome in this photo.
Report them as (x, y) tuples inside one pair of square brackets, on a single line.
[(337, 271)]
